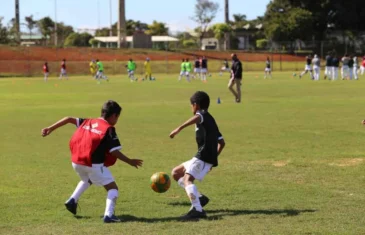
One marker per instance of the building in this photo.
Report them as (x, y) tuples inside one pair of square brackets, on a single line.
[(137, 41)]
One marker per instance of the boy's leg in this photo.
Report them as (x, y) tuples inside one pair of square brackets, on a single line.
[(111, 201), (82, 186), (101, 176), (194, 169), (304, 72), (178, 175), (238, 88)]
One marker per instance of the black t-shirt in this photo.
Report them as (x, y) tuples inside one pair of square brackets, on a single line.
[(109, 143), (309, 61), (204, 63), (197, 64), (335, 62), (237, 69), (351, 63), (207, 136), (268, 65), (329, 60)]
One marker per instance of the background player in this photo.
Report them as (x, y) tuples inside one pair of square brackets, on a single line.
[(197, 68), (93, 68), (225, 67), (362, 67), (345, 72), (210, 145), (183, 71), (329, 68), (316, 67), (63, 69), (100, 73), (308, 67), (356, 67), (131, 67), (147, 69), (189, 68), (45, 71), (268, 68), (204, 68), (95, 146), (335, 67)]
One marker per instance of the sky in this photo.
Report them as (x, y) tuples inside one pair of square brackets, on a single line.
[(93, 14)]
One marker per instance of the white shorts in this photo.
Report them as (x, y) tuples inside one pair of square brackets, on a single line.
[(225, 69), (328, 70), (307, 68), (197, 70), (182, 73), (267, 69), (131, 72), (63, 71), (197, 168), (98, 174), (46, 74), (99, 73), (204, 70)]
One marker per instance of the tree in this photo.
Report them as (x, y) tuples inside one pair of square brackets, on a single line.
[(205, 12), (283, 22), (157, 28), (133, 26), (46, 26), (220, 31), (63, 31), (31, 24), (78, 40), (4, 34)]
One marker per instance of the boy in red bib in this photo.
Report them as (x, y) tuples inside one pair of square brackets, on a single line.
[(94, 147)]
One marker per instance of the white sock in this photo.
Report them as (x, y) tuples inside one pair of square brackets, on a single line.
[(80, 189), (192, 192), (180, 182), (110, 202)]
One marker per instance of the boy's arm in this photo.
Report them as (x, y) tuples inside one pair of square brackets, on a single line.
[(133, 162), (48, 130), (363, 122), (194, 120), (221, 143)]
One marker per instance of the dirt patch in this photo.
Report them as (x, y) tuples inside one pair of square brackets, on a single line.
[(347, 162), (280, 163)]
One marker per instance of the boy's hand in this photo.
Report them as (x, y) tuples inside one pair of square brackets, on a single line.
[(135, 163), (174, 132), (363, 122), (46, 131)]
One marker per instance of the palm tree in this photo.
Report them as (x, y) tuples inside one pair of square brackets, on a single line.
[(239, 18)]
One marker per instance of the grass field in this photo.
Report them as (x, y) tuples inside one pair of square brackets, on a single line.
[(293, 163)]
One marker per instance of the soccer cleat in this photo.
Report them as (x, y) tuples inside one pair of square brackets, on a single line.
[(71, 206), (193, 214), (204, 200), (111, 219)]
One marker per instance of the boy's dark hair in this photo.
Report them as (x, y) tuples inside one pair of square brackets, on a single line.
[(183, 60), (200, 98), (109, 108)]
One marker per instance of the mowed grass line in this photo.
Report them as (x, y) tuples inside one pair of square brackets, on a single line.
[(293, 162)]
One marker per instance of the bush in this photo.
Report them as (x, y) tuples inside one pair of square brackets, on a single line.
[(262, 43)]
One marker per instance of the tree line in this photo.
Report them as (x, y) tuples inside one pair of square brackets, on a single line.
[(284, 20)]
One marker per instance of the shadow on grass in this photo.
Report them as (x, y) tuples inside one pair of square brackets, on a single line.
[(179, 203), (218, 215), (82, 217)]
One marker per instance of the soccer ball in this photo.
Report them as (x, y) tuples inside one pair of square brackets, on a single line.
[(160, 182), (294, 74)]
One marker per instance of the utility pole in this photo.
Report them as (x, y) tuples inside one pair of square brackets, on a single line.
[(17, 20), (111, 18), (122, 42), (55, 24), (227, 36), (226, 11)]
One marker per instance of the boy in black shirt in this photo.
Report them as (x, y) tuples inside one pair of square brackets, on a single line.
[(210, 145)]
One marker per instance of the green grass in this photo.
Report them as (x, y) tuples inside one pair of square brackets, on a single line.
[(293, 163)]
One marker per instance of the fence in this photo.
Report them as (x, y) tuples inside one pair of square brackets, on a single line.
[(28, 61)]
